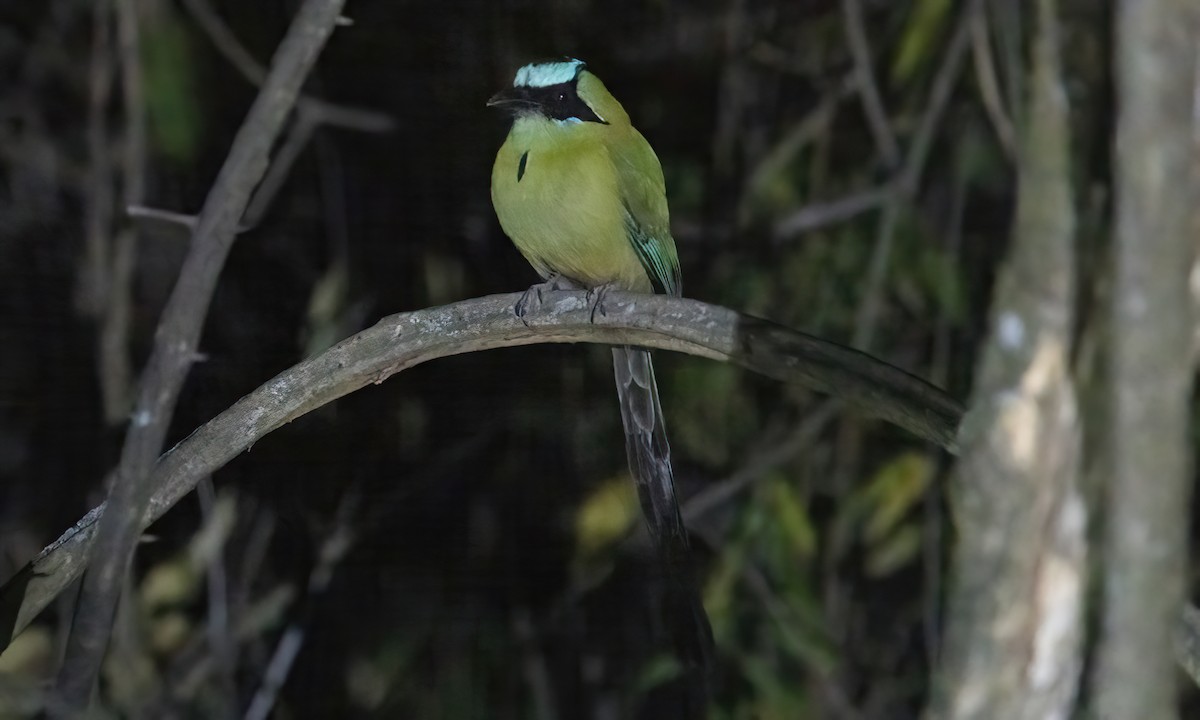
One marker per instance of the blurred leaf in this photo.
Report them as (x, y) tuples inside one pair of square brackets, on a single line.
[(720, 591), (169, 632), (685, 184), (169, 584), (367, 683), (31, 653), (941, 278), (793, 519), (265, 613), (806, 644), (978, 158), (896, 487), (445, 278), (208, 544), (129, 678), (326, 308), (749, 288), (372, 679), (918, 43), (898, 550), (709, 414), (778, 696), (777, 183), (659, 670), (606, 516), (172, 100)]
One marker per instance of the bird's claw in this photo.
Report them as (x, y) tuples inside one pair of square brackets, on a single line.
[(596, 297), (531, 300)]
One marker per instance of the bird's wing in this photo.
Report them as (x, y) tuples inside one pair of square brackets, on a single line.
[(647, 219)]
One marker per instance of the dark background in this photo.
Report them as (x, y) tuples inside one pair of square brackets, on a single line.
[(474, 587)]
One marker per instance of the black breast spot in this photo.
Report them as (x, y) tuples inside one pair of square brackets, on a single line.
[(521, 165)]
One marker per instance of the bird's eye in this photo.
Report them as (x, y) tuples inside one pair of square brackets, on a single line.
[(562, 97)]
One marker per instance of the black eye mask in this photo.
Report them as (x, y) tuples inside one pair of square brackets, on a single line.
[(562, 102)]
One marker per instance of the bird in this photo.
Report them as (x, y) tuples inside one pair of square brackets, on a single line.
[(581, 194)]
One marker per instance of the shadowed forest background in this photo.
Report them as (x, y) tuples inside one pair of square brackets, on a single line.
[(463, 541)]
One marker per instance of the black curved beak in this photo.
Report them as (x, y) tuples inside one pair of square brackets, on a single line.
[(513, 99)]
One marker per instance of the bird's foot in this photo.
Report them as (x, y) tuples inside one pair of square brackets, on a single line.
[(596, 297), (531, 300)]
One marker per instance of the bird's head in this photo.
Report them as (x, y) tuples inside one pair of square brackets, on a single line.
[(562, 92)]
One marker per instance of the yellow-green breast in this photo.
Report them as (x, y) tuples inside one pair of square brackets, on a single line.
[(557, 195)]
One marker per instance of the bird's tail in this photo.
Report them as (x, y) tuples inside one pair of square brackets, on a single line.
[(650, 462)]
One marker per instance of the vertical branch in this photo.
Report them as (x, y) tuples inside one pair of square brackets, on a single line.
[(93, 279), (116, 371), (221, 642), (175, 348), (1149, 485), (1013, 646)]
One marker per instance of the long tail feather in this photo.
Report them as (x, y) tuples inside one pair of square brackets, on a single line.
[(650, 462)]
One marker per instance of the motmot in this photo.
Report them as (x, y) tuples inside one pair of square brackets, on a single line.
[(581, 194)]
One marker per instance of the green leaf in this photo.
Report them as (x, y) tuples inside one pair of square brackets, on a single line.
[(606, 516), (894, 490), (805, 643), (918, 43), (720, 591), (793, 519), (172, 101), (942, 280), (708, 412), (661, 669), (778, 695), (898, 550)]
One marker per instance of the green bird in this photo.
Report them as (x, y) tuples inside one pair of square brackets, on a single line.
[(581, 194)]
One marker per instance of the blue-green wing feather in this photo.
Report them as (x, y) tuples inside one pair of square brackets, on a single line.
[(647, 219), (662, 268)]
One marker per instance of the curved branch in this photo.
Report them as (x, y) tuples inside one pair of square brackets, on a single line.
[(401, 341)]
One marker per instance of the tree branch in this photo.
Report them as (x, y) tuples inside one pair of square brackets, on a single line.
[(1150, 382), (1014, 634), (175, 348), (399, 342)]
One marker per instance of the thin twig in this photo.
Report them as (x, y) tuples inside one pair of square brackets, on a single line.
[(298, 135), (334, 548), (323, 112), (868, 86), (760, 463), (175, 348), (989, 84), (939, 97), (226, 42), (821, 214), (168, 216), (909, 181), (311, 113), (98, 204), (1007, 23), (116, 364), (220, 637), (533, 666)]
